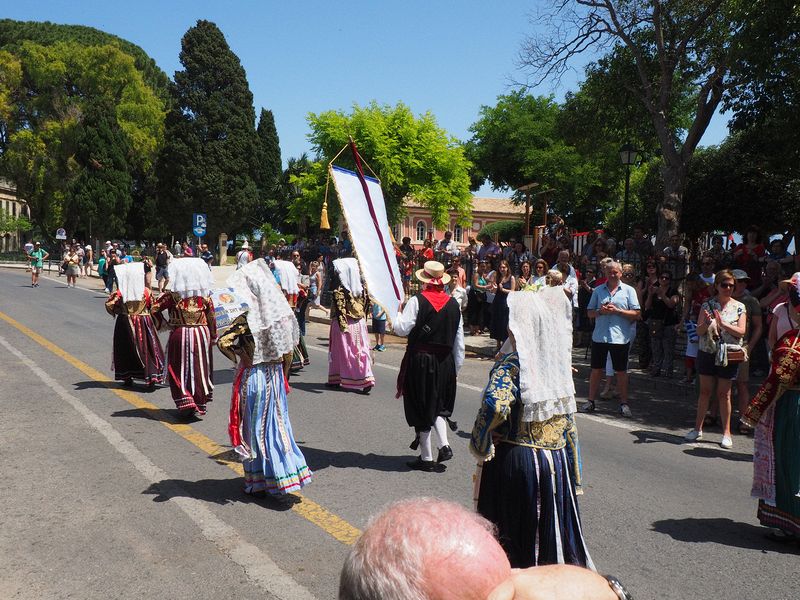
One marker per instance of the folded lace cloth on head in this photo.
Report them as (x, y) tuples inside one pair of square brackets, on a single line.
[(190, 277), (542, 326), (288, 275), (130, 281), (270, 318), (349, 275)]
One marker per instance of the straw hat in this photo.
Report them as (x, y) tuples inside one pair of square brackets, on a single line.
[(433, 272), (794, 282)]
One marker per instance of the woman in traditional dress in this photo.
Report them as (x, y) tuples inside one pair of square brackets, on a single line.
[(137, 349), (525, 432), (774, 412), (190, 367), (289, 279), (259, 426), (349, 360)]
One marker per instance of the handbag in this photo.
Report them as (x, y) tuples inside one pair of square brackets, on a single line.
[(736, 354)]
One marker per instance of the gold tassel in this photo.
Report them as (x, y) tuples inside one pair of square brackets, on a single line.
[(323, 218)]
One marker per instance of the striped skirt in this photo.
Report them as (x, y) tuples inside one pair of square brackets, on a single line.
[(261, 433), (190, 368), (528, 493), (137, 349), (349, 359)]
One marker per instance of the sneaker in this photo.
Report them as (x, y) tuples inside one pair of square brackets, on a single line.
[(381, 348), (625, 410), (587, 408), (693, 436), (726, 442)]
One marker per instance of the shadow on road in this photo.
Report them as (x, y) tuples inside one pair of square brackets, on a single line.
[(156, 414), (310, 386), (703, 452), (723, 531), (649, 437), (218, 491), (318, 459), (139, 388), (222, 376)]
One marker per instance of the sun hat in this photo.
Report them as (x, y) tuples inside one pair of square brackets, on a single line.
[(793, 281), (245, 245), (738, 274), (433, 272)]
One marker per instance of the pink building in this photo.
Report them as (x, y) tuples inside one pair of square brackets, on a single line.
[(418, 225)]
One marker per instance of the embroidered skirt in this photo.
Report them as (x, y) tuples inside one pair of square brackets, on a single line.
[(349, 361), (261, 433), (528, 493), (137, 350), (190, 367), (784, 511)]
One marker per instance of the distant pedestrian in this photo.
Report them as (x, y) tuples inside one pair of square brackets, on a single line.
[(102, 270), (379, 327), (37, 256), (206, 255), (73, 263), (243, 256), (88, 259), (163, 257), (187, 250)]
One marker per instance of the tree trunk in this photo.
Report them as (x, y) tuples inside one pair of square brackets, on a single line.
[(669, 209)]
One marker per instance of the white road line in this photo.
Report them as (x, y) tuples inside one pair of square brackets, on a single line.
[(258, 566)]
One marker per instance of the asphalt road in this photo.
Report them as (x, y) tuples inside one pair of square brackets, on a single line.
[(106, 495)]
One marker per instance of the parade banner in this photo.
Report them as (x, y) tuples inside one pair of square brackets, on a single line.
[(227, 306), (364, 210)]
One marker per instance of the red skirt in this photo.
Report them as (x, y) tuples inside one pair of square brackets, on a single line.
[(190, 368), (137, 349)]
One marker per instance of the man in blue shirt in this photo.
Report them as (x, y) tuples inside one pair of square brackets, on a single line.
[(615, 308)]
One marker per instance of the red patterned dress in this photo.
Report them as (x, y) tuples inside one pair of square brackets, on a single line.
[(190, 367), (137, 350)]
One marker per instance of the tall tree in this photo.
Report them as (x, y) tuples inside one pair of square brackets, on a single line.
[(45, 93), (210, 158), (411, 156), (99, 198), (673, 45), (273, 205)]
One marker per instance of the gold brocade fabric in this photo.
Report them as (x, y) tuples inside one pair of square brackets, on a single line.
[(237, 341), (115, 306), (346, 306), (784, 375)]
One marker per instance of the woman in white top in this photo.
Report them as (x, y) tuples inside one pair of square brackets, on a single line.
[(244, 256)]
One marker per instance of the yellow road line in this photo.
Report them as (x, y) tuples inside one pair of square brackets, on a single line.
[(337, 527)]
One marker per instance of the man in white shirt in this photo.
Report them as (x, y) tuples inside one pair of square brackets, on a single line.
[(447, 246)]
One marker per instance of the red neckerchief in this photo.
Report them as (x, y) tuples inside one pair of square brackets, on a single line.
[(436, 296)]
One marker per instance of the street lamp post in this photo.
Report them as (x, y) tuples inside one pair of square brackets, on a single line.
[(627, 154)]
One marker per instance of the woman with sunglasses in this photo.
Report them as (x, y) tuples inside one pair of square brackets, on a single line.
[(661, 309), (540, 269), (722, 321)]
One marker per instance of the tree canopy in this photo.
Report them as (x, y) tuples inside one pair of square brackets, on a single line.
[(412, 156), (210, 159)]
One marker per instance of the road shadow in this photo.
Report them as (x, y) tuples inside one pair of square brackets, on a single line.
[(707, 452), (217, 491), (310, 386), (223, 376), (723, 531), (157, 414), (139, 388), (644, 436), (318, 459)]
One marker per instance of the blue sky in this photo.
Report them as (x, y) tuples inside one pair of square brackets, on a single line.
[(448, 57)]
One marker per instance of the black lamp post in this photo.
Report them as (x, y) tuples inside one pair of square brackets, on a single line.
[(627, 154)]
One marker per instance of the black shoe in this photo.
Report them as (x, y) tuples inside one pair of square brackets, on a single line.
[(415, 444), (445, 453), (451, 424), (128, 382), (365, 391), (425, 465)]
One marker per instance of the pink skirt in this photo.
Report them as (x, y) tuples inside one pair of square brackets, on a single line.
[(349, 360)]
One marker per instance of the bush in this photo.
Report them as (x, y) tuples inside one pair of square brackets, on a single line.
[(505, 230)]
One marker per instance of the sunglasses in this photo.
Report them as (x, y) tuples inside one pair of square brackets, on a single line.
[(627, 274), (727, 286)]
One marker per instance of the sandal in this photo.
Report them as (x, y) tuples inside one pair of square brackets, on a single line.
[(589, 407)]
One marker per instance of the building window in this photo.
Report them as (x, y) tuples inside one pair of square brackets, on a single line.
[(458, 233), (421, 231), (396, 231)]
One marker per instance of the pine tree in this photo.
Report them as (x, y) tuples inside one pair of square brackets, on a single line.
[(210, 161), (272, 209)]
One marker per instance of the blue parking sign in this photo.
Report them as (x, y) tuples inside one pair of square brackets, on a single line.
[(199, 223)]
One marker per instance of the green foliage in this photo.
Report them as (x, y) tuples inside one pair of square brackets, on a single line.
[(269, 171), (14, 33), (45, 96), (9, 223), (412, 156), (210, 158), (100, 195), (504, 230)]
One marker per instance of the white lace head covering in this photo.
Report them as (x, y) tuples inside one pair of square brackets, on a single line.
[(130, 281), (542, 326), (288, 275), (270, 318), (190, 276), (349, 275)]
